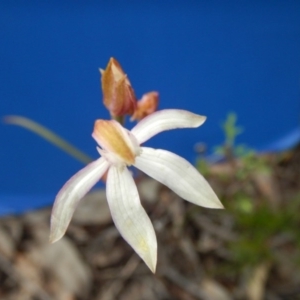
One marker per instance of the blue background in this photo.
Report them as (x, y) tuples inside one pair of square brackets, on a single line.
[(210, 57)]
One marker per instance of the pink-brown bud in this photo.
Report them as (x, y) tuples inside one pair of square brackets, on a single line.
[(146, 106), (118, 95)]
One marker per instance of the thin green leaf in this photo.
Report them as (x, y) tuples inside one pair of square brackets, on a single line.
[(48, 135)]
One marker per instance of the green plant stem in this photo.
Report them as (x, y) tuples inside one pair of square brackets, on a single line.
[(119, 119)]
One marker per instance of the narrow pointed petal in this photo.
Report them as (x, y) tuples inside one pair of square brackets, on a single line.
[(71, 193), (177, 174), (129, 216), (166, 119)]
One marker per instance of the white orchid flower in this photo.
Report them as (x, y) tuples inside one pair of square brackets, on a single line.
[(121, 148)]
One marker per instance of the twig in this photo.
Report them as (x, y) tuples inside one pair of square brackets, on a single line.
[(116, 286), (193, 289)]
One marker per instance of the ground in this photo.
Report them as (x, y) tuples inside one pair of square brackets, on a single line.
[(250, 250)]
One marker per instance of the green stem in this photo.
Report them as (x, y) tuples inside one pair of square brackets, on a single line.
[(120, 119)]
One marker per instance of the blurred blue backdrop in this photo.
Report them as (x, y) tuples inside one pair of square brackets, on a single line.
[(210, 57)]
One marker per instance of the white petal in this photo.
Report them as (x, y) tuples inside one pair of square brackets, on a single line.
[(177, 174), (71, 193), (165, 120), (129, 216)]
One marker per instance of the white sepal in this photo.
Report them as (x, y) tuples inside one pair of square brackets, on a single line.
[(71, 193), (129, 216), (177, 174), (166, 119)]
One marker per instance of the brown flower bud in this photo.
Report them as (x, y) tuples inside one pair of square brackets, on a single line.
[(146, 106), (118, 95)]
